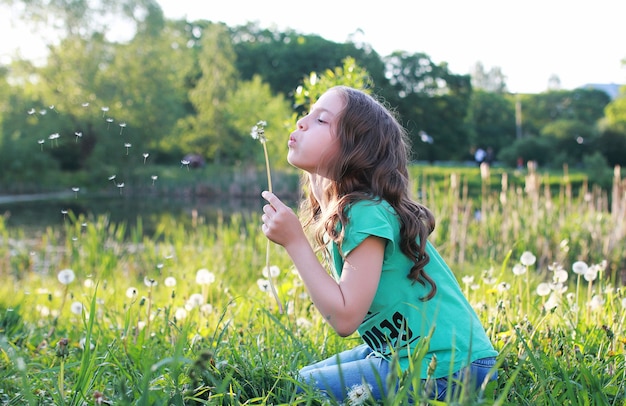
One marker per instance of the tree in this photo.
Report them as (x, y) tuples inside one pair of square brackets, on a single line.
[(283, 58), (84, 18), (202, 132), (432, 100), (491, 120), (492, 81), (250, 102), (584, 105)]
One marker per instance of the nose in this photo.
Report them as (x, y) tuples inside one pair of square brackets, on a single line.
[(300, 123)]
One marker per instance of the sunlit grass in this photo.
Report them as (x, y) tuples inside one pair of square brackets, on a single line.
[(180, 317)]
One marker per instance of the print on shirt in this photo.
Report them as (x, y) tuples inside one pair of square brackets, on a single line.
[(389, 334)]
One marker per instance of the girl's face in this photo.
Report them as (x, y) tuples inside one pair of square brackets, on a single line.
[(313, 144)]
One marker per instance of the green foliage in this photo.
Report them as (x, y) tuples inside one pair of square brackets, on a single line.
[(491, 117), (584, 105), (432, 99), (175, 87), (528, 148)]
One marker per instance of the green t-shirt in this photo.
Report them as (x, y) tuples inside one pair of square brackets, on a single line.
[(397, 318)]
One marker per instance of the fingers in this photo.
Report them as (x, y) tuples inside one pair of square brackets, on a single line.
[(272, 199)]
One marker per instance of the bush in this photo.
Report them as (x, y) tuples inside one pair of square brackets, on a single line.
[(528, 148)]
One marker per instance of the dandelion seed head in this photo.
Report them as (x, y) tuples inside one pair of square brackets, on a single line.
[(170, 282), (180, 313), (264, 285), (503, 287), (591, 274), (543, 289), (596, 302), (76, 308), (580, 267), (528, 259), (89, 283), (206, 308), (273, 272), (258, 131), (66, 276), (359, 394), (468, 279), (560, 276), (551, 303), (204, 277), (131, 292), (519, 269), (149, 282), (195, 300)]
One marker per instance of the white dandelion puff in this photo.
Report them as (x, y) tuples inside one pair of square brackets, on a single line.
[(66, 276)]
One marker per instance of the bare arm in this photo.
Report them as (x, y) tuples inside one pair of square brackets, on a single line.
[(343, 303)]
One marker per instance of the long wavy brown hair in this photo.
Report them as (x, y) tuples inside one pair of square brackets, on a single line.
[(371, 163)]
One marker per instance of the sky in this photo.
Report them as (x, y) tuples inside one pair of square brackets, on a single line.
[(581, 42)]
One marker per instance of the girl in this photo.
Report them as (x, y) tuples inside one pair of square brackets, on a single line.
[(388, 282)]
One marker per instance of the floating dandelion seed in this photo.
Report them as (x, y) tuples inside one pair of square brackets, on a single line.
[(112, 178), (66, 276), (184, 162), (120, 186), (86, 104), (31, 111), (78, 135), (154, 178), (54, 137), (145, 157), (75, 190), (127, 145), (64, 213), (109, 120), (122, 126), (41, 142), (43, 112), (104, 109)]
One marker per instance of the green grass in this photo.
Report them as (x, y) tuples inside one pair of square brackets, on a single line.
[(226, 343)]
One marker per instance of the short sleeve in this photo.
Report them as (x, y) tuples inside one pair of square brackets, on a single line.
[(369, 218)]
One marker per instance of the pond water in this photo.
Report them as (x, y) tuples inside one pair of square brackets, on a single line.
[(36, 213)]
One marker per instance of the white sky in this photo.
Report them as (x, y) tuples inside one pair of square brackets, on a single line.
[(579, 41)]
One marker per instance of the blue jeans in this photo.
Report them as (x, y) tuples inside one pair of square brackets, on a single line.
[(341, 375)]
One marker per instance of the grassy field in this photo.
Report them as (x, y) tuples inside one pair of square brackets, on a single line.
[(100, 313)]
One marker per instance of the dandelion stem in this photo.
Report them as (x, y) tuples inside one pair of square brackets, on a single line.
[(268, 245)]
